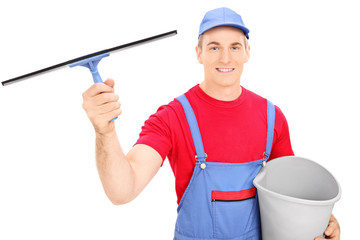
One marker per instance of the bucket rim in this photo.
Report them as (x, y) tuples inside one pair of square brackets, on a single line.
[(331, 201)]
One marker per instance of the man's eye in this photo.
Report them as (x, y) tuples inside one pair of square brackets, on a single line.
[(235, 48), (214, 48)]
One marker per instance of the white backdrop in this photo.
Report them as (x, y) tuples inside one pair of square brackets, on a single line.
[(304, 58)]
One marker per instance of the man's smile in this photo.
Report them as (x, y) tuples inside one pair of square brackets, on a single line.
[(225, 70)]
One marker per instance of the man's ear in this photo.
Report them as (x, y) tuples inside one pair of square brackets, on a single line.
[(247, 57), (198, 54)]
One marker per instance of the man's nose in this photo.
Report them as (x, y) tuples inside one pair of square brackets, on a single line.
[(225, 56)]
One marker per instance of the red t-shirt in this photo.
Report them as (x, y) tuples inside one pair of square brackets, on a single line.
[(232, 131)]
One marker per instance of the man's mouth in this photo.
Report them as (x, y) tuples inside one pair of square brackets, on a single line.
[(225, 70)]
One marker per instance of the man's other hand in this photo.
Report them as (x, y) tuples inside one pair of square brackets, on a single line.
[(332, 231)]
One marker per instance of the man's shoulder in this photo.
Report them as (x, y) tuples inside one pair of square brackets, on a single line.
[(252, 95), (169, 110), (256, 98)]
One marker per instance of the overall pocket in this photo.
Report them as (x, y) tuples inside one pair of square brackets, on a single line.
[(234, 213)]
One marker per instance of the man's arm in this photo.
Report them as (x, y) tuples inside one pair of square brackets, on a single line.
[(123, 176)]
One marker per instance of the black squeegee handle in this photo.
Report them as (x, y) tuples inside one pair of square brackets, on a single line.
[(121, 47)]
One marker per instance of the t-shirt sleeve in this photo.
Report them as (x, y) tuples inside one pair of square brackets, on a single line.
[(156, 132), (282, 145)]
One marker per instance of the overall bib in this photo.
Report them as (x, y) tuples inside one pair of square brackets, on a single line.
[(220, 201)]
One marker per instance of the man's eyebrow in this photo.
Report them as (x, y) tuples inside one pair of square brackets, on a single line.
[(217, 43), (236, 43), (213, 42)]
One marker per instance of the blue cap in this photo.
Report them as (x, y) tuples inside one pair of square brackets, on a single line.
[(222, 17)]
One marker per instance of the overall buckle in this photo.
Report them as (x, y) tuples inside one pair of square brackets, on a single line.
[(266, 157), (202, 164)]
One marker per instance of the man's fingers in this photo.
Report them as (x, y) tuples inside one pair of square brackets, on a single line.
[(109, 107), (111, 115), (333, 229), (105, 98), (330, 229), (102, 103), (96, 89)]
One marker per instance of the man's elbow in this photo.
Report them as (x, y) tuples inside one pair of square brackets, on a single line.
[(120, 200)]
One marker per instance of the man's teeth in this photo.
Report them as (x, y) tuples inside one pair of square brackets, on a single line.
[(225, 69)]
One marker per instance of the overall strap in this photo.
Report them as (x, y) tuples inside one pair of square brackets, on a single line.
[(194, 128), (270, 128)]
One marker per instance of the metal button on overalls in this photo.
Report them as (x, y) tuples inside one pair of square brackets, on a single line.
[(220, 201)]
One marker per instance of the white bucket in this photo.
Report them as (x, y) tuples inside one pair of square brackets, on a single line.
[(296, 198)]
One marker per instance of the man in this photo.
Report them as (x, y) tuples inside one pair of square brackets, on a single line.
[(216, 137)]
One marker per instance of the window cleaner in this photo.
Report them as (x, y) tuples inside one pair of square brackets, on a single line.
[(91, 60)]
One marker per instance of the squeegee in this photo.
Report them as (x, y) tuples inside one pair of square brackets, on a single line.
[(91, 60)]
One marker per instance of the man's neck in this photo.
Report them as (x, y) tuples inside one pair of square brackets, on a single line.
[(229, 93)]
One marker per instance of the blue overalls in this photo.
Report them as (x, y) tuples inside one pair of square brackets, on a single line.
[(220, 201)]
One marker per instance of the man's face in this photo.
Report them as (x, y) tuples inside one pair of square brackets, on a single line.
[(223, 55)]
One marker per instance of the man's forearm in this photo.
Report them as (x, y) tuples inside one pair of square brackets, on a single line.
[(114, 169)]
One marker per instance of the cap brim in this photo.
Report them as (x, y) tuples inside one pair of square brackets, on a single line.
[(242, 28)]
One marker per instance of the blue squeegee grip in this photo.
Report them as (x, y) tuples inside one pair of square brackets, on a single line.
[(91, 63)]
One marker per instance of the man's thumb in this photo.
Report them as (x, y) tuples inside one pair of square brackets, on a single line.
[(110, 82)]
